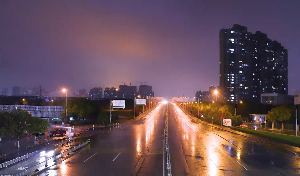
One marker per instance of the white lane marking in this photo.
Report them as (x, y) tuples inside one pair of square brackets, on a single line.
[(241, 165), (89, 157), (116, 157)]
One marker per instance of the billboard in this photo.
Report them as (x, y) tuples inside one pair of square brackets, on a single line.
[(140, 101), (119, 104), (227, 122)]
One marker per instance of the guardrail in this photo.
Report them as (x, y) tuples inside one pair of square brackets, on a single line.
[(18, 159), (166, 148), (23, 157), (64, 155)]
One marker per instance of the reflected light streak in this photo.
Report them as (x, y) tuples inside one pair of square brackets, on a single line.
[(138, 146), (63, 167), (193, 150), (213, 170), (42, 159)]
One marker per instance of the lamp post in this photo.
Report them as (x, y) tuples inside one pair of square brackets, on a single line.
[(64, 90), (296, 119), (235, 107)]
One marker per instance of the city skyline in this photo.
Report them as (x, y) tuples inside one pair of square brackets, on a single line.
[(166, 44)]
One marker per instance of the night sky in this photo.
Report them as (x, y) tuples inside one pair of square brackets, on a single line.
[(172, 45)]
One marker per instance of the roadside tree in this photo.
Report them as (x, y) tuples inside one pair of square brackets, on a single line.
[(279, 114)]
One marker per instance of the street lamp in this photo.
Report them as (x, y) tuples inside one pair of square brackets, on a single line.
[(198, 106), (64, 90), (297, 119), (216, 93), (235, 107)]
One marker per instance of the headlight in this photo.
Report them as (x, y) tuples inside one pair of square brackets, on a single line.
[(50, 153), (42, 153)]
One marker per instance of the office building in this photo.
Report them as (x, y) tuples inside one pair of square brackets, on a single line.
[(4, 92), (251, 64), (110, 92), (81, 93), (16, 91), (96, 93), (145, 90), (276, 99), (127, 92), (208, 96)]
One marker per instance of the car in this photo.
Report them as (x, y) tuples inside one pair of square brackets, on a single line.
[(58, 132)]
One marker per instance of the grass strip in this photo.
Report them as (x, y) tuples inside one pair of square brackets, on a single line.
[(283, 138)]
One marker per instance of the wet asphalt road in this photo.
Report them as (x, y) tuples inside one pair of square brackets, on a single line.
[(131, 149), (210, 151), (136, 149)]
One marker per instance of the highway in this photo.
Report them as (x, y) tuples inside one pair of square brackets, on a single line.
[(136, 148), (131, 149)]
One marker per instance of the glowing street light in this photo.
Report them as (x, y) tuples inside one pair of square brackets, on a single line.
[(216, 92)]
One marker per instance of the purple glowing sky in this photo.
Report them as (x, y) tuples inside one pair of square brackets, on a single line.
[(172, 45)]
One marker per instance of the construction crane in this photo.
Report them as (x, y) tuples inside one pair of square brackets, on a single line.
[(143, 83)]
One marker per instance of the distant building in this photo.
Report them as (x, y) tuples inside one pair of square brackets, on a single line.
[(251, 64), (207, 96), (145, 90), (127, 92), (16, 91), (81, 93), (276, 99), (4, 92), (110, 92), (96, 93), (37, 111), (35, 91)]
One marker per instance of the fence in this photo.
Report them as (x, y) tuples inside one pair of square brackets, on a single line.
[(18, 159), (34, 169)]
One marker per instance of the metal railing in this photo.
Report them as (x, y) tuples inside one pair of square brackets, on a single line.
[(167, 157), (64, 155), (17, 159)]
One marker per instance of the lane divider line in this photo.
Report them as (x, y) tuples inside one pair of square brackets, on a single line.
[(89, 158), (116, 156), (241, 165)]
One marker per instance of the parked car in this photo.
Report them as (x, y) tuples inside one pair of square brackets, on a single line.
[(244, 126), (58, 132), (39, 134)]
